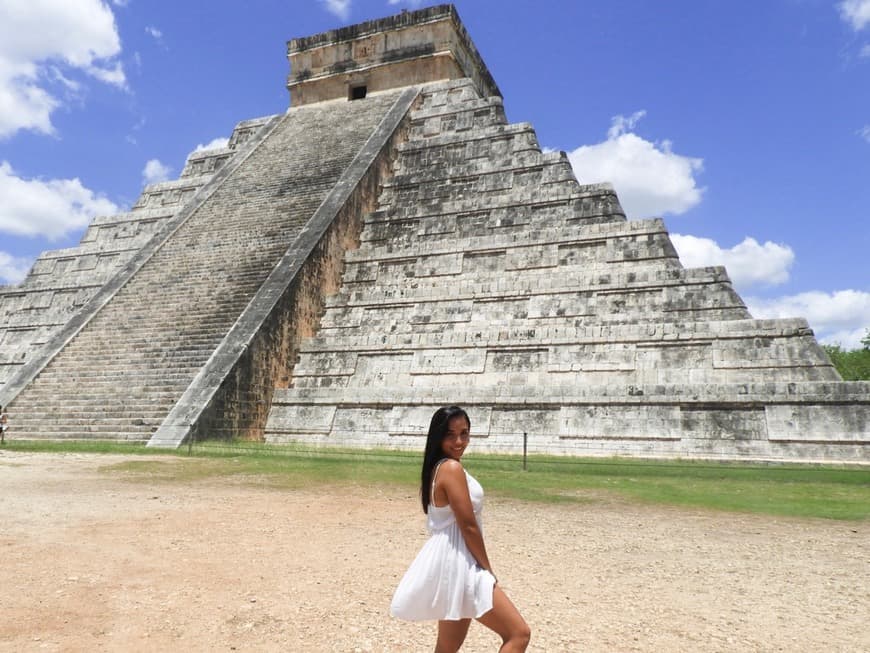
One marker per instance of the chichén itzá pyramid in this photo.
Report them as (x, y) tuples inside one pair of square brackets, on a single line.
[(391, 244)]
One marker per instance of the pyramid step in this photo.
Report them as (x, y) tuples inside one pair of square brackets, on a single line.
[(126, 435), (517, 136), (145, 406), (145, 356), (471, 104), (97, 410), (583, 199), (620, 236), (96, 423), (528, 168), (606, 287)]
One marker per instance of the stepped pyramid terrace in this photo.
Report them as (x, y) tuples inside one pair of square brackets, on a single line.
[(389, 245)]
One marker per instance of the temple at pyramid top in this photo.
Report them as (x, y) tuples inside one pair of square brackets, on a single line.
[(413, 47), (391, 244)]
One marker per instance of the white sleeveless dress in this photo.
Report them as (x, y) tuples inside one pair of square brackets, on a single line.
[(445, 581)]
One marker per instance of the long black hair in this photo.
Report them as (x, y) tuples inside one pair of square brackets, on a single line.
[(433, 453)]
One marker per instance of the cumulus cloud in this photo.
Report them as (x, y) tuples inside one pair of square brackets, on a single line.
[(748, 263), (40, 39), (155, 172), (13, 269), (650, 178), (840, 317), (340, 8), (856, 13), (214, 144), (49, 208)]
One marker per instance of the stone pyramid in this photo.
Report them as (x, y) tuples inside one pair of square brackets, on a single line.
[(389, 245)]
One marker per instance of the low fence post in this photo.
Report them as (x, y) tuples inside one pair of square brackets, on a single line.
[(525, 450)]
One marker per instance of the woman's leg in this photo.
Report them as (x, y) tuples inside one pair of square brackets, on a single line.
[(451, 634), (506, 620)]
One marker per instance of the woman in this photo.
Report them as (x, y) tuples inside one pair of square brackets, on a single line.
[(451, 579)]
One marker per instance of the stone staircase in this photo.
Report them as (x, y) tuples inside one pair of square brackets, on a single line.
[(120, 375), (61, 282), (490, 277)]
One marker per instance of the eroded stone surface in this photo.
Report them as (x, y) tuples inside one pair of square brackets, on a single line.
[(490, 277)]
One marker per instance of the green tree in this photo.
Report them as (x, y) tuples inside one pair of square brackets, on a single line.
[(852, 364)]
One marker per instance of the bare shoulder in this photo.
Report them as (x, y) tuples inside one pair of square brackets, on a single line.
[(452, 466), (452, 471)]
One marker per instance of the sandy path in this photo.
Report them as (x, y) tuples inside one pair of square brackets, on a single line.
[(92, 562)]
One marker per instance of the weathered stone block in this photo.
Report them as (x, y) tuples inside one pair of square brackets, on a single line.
[(532, 257), (619, 422), (302, 419), (449, 361), (438, 265), (508, 426), (723, 423), (516, 360), (443, 312), (362, 424), (821, 423)]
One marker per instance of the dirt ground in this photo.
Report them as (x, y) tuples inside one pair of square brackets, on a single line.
[(93, 561)]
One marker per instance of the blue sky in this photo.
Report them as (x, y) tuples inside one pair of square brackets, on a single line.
[(745, 124)]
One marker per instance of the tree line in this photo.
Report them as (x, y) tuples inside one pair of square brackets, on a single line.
[(852, 364)]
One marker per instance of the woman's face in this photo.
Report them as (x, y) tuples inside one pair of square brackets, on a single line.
[(454, 443)]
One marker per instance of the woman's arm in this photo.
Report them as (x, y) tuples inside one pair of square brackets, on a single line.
[(451, 479)]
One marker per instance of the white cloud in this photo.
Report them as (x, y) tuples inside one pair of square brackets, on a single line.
[(340, 8), (620, 125), (649, 178), (841, 317), (23, 104), (49, 208), (864, 133), (855, 12), (13, 269), (155, 172), (37, 40), (845, 338), (412, 3), (748, 263), (865, 51), (113, 74), (214, 144)]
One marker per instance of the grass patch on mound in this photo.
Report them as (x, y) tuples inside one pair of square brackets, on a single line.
[(813, 491)]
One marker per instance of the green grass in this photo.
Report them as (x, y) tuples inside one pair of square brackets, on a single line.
[(80, 446), (786, 490), (811, 491)]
